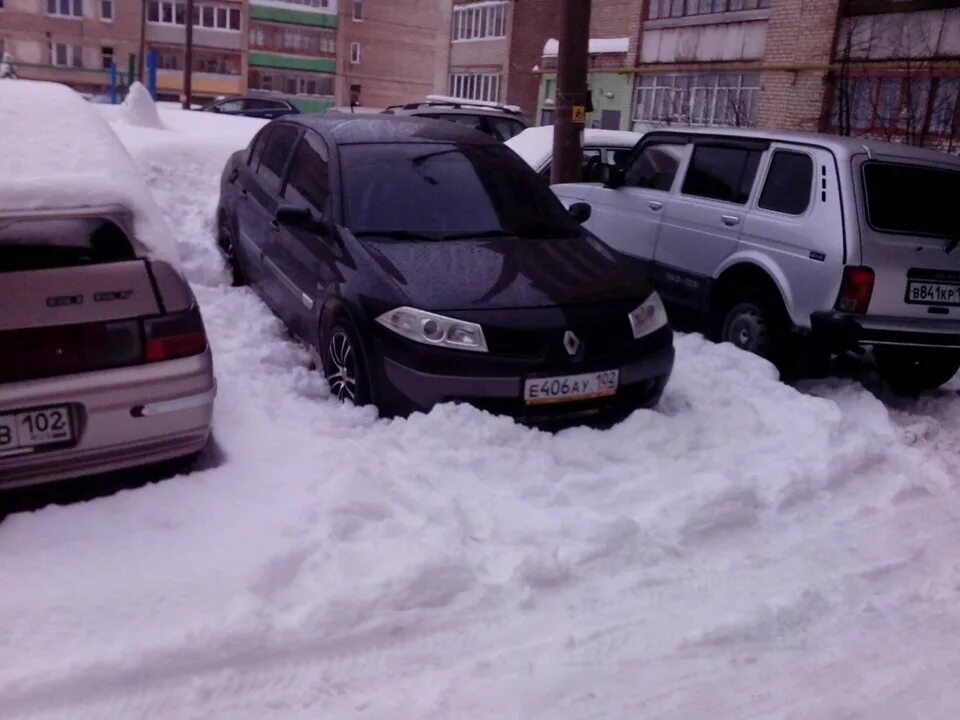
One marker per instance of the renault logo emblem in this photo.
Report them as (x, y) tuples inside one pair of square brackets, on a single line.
[(571, 343)]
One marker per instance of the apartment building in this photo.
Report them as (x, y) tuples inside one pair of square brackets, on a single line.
[(388, 51), (219, 46), (885, 68), (495, 49), (71, 41), (293, 50)]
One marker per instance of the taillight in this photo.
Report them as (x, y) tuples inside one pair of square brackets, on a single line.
[(856, 290), (173, 336)]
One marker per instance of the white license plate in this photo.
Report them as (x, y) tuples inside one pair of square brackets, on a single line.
[(568, 388), (932, 293), (29, 430)]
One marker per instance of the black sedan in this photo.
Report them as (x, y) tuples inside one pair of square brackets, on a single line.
[(254, 106), (427, 263)]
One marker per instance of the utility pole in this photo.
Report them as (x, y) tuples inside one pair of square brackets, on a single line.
[(143, 40), (188, 62), (571, 101)]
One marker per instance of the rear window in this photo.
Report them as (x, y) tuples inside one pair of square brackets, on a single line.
[(40, 244), (912, 199), (789, 183)]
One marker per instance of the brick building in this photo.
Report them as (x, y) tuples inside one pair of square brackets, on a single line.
[(886, 68), (71, 41), (495, 48), (388, 51)]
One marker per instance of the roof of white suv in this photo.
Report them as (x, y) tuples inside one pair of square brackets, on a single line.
[(535, 145), (843, 147), (60, 155)]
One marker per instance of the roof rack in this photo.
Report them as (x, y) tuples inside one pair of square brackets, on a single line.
[(458, 103)]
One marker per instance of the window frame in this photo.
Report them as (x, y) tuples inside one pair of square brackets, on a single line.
[(74, 9), (682, 142), (101, 4), (324, 151), (695, 8), (718, 144), (282, 175), (761, 187), (355, 55), (355, 15), (479, 21)]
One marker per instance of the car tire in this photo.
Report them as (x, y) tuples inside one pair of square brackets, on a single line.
[(754, 322), (343, 365), (228, 248), (911, 372)]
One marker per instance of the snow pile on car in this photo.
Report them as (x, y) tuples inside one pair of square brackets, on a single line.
[(57, 153)]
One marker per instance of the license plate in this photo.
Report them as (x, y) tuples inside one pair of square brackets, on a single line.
[(30, 430), (922, 292), (569, 388)]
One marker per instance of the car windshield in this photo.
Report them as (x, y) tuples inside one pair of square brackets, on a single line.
[(912, 199), (445, 191)]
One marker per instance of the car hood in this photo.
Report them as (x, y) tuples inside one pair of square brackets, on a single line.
[(508, 272)]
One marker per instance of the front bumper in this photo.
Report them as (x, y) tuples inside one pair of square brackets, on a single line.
[(642, 381), (840, 333), (122, 418)]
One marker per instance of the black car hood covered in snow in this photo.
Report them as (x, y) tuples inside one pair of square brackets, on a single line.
[(508, 272)]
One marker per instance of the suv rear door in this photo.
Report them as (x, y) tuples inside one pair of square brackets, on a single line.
[(909, 220), (702, 221)]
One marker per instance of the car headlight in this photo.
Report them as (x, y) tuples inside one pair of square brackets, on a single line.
[(649, 317), (431, 329)]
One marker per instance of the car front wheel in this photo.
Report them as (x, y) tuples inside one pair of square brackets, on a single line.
[(343, 366), (911, 372), (231, 256)]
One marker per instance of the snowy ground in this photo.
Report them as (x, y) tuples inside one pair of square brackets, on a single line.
[(748, 550)]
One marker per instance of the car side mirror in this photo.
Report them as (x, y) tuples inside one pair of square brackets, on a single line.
[(580, 212), (294, 216), (613, 176)]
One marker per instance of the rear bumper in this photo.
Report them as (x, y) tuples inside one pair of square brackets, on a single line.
[(122, 418), (841, 332)]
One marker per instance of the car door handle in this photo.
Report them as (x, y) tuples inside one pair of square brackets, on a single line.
[(655, 205), (730, 220)]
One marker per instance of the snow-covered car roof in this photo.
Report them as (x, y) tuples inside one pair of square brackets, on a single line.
[(59, 154), (535, 145)]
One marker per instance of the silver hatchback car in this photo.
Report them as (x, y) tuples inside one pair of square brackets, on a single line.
[(777, 236), (104, 361)]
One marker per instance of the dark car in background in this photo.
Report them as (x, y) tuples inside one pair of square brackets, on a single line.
[(264, 107), (501, 122), (427, 263)]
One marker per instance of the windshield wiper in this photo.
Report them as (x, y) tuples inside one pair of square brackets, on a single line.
[(397, 235)]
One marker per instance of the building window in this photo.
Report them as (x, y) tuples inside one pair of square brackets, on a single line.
[(358, 10), (205, 15), (476, 86), (291, 38), (726, 99), (895, 106), (480, 21), (106, 10), (65, 8), (106, 57), (292, 83), (63, 55), (306, 4), (355, 53), (658, 9)]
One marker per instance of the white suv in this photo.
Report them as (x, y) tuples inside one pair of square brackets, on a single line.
[(775, 235)]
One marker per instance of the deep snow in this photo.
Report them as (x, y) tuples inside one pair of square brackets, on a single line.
[(747, 550)]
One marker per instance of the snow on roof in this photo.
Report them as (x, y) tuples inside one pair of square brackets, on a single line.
[(598, 46), (535, 145), (58, 154)]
